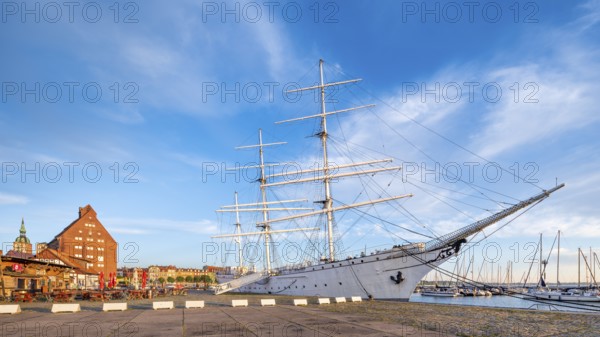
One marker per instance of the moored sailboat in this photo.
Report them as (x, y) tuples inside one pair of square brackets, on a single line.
[(569, 295)]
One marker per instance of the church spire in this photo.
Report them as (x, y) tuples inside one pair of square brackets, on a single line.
[(22, 243), (23, 231)]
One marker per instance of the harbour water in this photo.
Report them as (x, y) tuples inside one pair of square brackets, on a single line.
[(513, 301)]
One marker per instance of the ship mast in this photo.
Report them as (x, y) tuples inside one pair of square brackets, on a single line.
[(325, 174), (262, 206), (266, 227), (327, 203), (238, 230)]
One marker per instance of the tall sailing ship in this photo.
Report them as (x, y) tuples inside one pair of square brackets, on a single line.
[(391, 273)]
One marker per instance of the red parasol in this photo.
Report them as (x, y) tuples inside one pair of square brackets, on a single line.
[(110, 285), (144, 277), (114, 279), (101, 280)]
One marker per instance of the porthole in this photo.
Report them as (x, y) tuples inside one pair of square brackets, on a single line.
[(326, 284), (340, 283)]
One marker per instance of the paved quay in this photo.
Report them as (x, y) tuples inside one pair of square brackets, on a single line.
[(218, 318)]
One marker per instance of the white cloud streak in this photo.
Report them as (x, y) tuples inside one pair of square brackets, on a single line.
[(12, 199), (145, 226)]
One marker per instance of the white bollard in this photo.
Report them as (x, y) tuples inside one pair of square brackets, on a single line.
[(66, 308), (194, 304), (356, 299), (239, 303), (324, 301), (10, 309), (340, 300), (162, 305), (266, 302), (302, 301), (114, 306)]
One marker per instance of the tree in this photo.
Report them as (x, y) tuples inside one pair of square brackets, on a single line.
[(161, 280), (180, 279), (196, 279), (170, 279), (189, 279), (205, 278)]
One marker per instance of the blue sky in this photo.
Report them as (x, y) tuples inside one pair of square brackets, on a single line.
[(144, 86)]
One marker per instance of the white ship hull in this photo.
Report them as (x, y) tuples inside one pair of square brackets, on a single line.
[(567, 297), (440, 294), (374, 276)]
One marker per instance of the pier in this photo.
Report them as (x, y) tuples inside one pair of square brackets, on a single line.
[(217, 317)]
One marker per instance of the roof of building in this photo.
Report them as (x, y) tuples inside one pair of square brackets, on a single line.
[(67, 260), (18, 254), (86, 210)]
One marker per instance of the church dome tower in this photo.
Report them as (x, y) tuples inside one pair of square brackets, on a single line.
[(22, 243)]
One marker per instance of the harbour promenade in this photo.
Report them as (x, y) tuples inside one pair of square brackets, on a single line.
[(219, 318)]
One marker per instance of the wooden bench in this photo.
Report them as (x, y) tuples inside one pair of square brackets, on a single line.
[(22, 297), (62, 297)]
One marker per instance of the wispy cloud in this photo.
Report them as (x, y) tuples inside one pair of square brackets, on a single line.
[(12, 199), (563, 79), (591, 18), (275, 46), (565, 101), (145, 226)]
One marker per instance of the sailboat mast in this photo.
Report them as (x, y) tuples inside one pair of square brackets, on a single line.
[(238, 229), (473, 266), (263, 193), (592, 276), (558, 262), (595, 259), (578, 267), (327, 203), (541, 261)]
